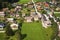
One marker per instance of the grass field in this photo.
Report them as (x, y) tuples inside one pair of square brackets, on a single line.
[(2, 36), (57, 14), (35, 31), (26, 1)]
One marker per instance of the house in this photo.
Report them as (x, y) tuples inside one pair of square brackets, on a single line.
[(17, 15), (58, 23), (39, 15), (39, 3), (45, 21), (28, 19), (57, 9), (30, 6), (5, 9), (39, 8), (18, 8), (36, 18), (23, 14), (2, 14), (46, 4), (2, 28), (58, 28), (54, 2), (25, 5), (32, 13), (14, 4), (10, 19), (14, 26), (12, 14), (50, 13)]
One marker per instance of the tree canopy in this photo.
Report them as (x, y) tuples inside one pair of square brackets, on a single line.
[(10, 1), (5, 3)]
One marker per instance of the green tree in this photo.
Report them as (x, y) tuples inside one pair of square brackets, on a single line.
[(9, 31), (17, 36), (43, 12), (6, 3)]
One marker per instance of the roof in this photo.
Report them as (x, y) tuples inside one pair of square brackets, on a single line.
[(1, 25), (14, 25), (2, 13), (46, 4)]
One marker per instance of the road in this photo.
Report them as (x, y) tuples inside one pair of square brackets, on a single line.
[(38, 13)]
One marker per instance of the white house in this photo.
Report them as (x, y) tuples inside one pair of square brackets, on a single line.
[(46, 24), (14, 26), (28, 19), (45, 21), (17, 15), (10, 19), (2, 14), (36, 18)]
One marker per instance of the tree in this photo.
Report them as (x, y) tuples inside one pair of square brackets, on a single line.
[(10, 1), (17, 36), (5, 3), (43, 12), (9, 31)]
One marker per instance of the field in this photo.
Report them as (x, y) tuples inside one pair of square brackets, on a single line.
[(35, 31), (57, 14), (2, 36), (26, 1)]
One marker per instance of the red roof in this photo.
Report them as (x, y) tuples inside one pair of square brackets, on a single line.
[(46, 5)]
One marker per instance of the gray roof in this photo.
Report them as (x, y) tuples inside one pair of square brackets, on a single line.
[(1, 25)]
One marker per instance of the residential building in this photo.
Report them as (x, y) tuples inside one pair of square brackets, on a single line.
[(28, 19), (14, 26)]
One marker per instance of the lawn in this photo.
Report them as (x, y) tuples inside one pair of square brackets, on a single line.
[(57, 14), (2, 36), (26, 1), (35, 31)]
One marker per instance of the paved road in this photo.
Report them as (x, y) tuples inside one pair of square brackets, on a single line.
[(38, 13)]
